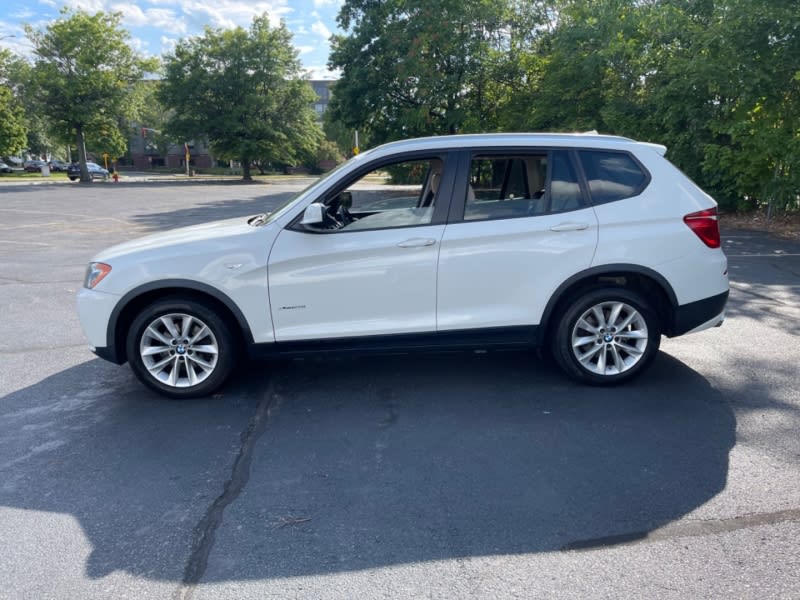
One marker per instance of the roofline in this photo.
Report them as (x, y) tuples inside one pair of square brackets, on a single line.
[(484, 140)]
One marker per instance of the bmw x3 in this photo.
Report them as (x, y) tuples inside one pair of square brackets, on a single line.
[(591, 246)]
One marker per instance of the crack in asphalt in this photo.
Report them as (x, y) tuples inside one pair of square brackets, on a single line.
[(695, 528), (205, 531)]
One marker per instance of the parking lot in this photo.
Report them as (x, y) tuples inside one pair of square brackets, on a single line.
[(444, 475)]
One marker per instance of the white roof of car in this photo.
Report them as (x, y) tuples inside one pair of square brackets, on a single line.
[(489, 140)]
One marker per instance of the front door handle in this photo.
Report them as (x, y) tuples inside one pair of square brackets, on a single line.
[(416, 243), (570, 227)]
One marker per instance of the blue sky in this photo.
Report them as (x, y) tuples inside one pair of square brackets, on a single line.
[(155, 25)]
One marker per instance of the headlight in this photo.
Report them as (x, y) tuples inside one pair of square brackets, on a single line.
[(95, 273)]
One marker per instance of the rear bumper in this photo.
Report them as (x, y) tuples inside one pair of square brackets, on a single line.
[(700, 315)]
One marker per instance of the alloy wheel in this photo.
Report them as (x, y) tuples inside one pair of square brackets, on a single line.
[(609, 338), (179, 350)]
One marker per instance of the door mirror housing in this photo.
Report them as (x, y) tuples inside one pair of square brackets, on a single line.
[(313, 215)]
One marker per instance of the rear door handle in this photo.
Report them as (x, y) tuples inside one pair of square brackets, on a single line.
[(416, 243), (570, 227)]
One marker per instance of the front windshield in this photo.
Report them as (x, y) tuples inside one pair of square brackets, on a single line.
[(287, 206)]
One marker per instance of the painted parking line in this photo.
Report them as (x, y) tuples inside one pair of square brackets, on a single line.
[(773, 255)]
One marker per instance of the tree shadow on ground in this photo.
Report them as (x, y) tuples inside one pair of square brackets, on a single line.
[(765, 278), (366, 462)]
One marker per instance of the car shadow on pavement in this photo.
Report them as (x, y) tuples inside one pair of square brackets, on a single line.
[(364, 462)]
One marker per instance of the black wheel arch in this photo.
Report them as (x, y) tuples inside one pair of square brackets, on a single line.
[(132, 302), (644, 280)]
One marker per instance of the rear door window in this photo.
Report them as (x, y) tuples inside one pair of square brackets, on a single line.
[(521, 185)]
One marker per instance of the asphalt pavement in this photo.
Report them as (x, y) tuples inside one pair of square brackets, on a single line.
[(448, 475)]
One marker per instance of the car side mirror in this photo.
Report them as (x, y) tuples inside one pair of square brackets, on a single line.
[(313, 215)]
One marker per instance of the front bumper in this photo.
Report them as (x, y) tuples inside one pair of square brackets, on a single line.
[(108, 353), (94, 312)]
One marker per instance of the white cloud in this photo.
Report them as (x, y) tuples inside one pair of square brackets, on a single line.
[(131, 14), (227, 14), (160, 18), (24, 13), (90, 6), (321, 3), (166, 19), (139, 45), (305, 49), (168, 44), (321, 72), (320, 29)]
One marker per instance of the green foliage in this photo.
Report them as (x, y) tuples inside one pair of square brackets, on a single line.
[(14, 126), (343, 136), (13, 135), (417, 67), (716, 81), (148, 112), (328, 150), (82, 76), (242, 90)]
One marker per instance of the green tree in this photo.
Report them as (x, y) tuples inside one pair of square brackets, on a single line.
[(13, 133), (83, 72), (152, 116), (755, 156), (242, 90), (417, 67), (344, 137)]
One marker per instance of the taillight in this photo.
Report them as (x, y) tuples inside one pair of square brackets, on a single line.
[(705, 225)]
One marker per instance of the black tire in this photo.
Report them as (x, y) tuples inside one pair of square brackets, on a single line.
[(183, 363), (595, 351), (72, 178)]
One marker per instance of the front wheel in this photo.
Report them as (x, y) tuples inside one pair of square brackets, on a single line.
[(607, 336), (181, 348)]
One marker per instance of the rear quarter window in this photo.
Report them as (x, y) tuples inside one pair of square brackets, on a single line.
[(612, 175)]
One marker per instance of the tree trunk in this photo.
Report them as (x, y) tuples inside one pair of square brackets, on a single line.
[(246, 176), (80, 141)]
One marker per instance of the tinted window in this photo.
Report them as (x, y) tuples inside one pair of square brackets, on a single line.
[(565, 192), (612, 175), (506, 187)]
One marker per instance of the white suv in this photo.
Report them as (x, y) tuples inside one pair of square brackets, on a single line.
[(593, 245)]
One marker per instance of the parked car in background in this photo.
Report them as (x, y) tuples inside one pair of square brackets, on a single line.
[(95, 171), (592, 246), (4, 168), (34, 166), (58, 165)]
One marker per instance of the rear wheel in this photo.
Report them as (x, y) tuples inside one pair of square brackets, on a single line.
[(181, 348), (607, 336)]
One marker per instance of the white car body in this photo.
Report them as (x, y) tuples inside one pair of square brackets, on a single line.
[(283, 284)]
